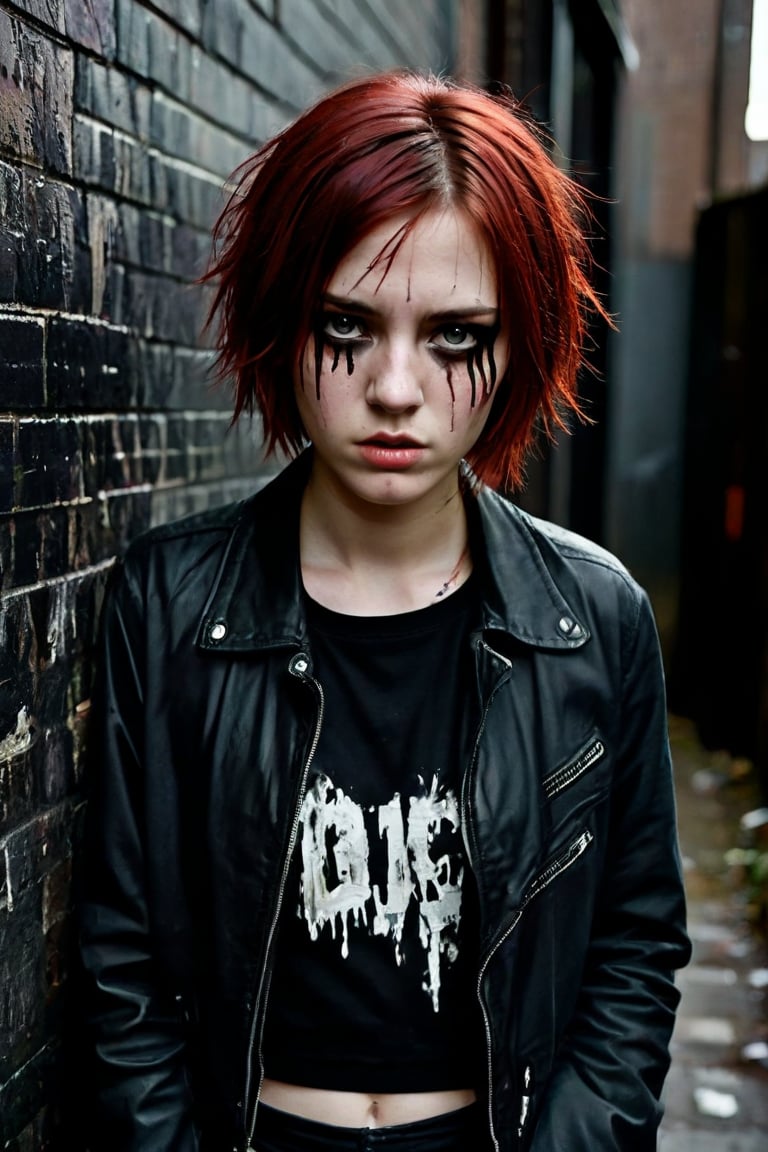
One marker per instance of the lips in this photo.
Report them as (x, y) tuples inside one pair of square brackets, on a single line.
[(392, 440), (390, 452)]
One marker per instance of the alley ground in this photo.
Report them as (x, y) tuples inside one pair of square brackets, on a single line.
[(717, 1090)]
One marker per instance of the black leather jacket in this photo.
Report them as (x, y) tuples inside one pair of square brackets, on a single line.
[(206, 719)]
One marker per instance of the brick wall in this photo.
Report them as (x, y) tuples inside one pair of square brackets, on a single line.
[(119, 121)]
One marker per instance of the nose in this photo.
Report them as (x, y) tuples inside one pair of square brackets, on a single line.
[(395, 379)]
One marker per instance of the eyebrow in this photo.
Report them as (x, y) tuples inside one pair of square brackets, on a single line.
[(347, 303)]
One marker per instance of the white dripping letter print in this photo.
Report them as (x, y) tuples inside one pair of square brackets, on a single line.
[(336, 880), (339, 820)]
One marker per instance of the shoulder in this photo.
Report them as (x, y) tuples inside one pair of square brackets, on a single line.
[(548, 540), (544, 571), (192, 552), (198, 532), (193, 530), (189, 536), (164, 558), (578, 550), (601, 577)]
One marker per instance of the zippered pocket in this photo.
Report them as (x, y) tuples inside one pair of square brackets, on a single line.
[(562, 777), (561, 862), (556, 866)]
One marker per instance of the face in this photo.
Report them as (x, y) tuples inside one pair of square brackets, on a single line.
[(396, 386)]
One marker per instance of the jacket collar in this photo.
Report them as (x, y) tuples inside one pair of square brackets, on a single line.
[(529, 590)]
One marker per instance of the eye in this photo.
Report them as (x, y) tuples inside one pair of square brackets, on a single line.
[(342, 326), (456, 338), (456, 334)]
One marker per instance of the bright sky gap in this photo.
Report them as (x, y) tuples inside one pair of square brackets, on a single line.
[(756, 120)]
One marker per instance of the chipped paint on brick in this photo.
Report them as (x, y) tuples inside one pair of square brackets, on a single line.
[(20, 739)]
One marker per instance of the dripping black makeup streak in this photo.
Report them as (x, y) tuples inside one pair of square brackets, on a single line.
[(319, 343), (480, 361), (322, 342), (349, 354), (451, 389), (471, 353), (477, 357)]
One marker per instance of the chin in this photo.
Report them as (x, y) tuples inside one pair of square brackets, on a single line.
[(387, 489), (398, 493)]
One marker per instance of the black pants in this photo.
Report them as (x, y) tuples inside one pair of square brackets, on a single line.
[(459, 1131)]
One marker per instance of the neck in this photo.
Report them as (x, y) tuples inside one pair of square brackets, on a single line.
[(366, 559)]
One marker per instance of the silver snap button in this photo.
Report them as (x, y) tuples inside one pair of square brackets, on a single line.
[(219, 631), (565, 624)]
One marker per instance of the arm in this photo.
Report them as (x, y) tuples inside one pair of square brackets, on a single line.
[(608, 1075), (143, 1102)]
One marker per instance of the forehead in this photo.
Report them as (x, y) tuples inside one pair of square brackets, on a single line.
[(442, 255)]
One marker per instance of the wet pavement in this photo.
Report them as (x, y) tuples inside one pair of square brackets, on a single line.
[(716, 1095)]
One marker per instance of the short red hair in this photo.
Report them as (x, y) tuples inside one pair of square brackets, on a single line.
[(381, 147)]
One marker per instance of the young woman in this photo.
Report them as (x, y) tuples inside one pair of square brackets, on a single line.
[(382, 835)]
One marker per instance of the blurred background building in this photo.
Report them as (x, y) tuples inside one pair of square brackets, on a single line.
[(647, 102), (120, 121)]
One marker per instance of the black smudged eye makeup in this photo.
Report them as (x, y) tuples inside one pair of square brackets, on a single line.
[(349, 353), (451, 342), (481, 360), (342, 332), (474, 343)]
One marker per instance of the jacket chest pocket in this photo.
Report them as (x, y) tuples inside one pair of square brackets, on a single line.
[(576, 785)]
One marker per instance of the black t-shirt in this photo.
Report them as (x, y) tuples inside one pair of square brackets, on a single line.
[(373, 986)]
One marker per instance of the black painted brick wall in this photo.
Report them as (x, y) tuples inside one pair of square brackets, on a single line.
[(119, 122)]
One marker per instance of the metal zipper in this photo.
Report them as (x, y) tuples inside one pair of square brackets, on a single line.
[(298, 667), (553, 870), (542, 881), (465, 836), (463, 802), (562, 777), (487, 1025)]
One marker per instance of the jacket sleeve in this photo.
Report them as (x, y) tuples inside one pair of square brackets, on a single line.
[(604, 1092), (142, 1097)]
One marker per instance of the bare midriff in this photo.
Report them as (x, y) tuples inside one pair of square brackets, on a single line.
[(363, 1109)]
